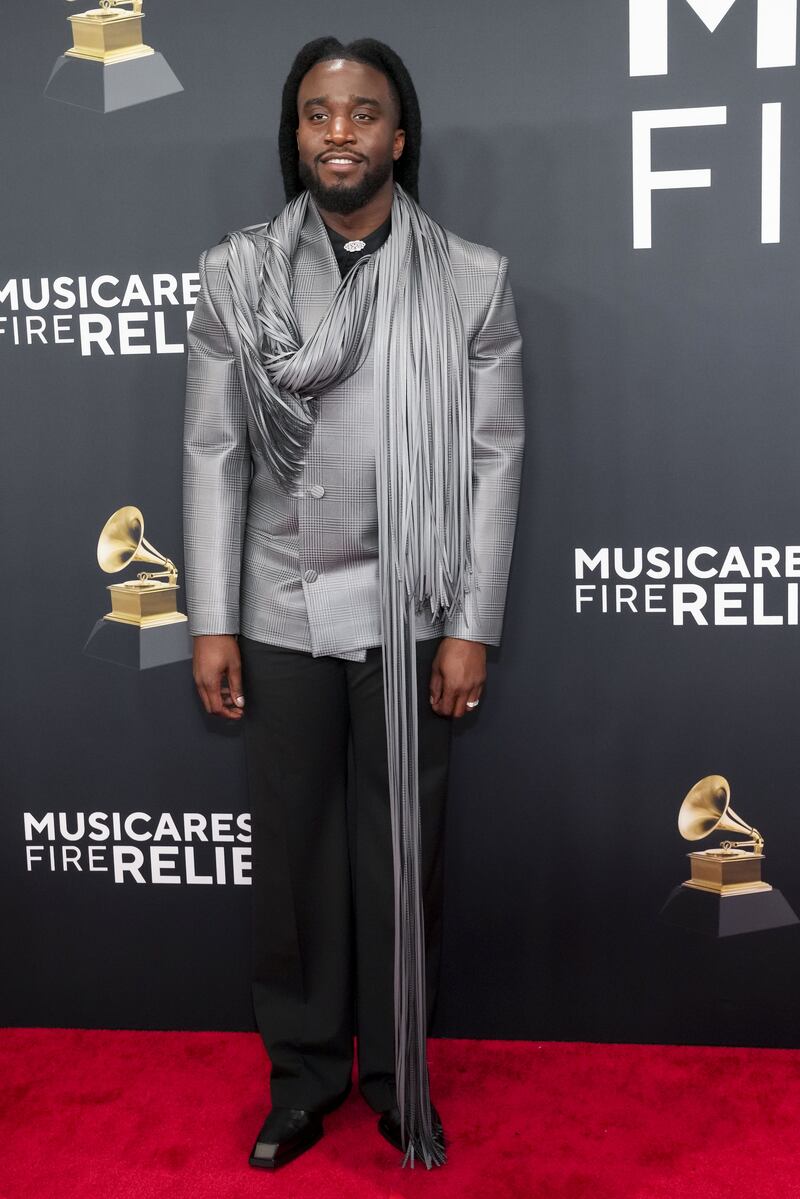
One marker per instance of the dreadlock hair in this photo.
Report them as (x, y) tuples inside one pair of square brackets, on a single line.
[(373, 54)]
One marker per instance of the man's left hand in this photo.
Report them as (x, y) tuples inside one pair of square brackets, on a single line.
[(457, 675)]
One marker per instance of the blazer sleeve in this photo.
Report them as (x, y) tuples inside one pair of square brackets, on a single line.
[(498, 436), (216, 466)]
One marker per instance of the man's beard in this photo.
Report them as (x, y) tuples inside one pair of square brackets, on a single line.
[(341, 198)]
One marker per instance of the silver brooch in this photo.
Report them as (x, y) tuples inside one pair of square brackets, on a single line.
[(354, 245)]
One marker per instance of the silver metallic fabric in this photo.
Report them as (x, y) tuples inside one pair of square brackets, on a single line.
[(301, 570)]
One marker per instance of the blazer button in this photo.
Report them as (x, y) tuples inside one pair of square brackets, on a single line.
[(309, 575), (317, 490)]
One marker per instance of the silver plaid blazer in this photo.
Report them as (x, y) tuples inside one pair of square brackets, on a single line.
[(302, 570)]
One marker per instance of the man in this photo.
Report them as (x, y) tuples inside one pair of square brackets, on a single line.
[(352, 459)]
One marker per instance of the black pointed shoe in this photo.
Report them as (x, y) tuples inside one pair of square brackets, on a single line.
[(285, 1134), (389, 1126), (289, 1131)]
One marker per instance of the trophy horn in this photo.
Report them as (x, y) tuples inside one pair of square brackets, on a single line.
[(122, 541), (707, 808)]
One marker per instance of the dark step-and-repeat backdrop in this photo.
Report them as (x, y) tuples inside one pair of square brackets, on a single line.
[(638, 164)]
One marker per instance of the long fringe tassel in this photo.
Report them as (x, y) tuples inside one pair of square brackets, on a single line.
[(424, 517)]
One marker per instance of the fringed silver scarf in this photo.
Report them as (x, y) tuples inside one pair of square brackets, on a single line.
[(424, 477)]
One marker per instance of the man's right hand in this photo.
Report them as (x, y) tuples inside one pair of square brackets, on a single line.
[(216, 659)]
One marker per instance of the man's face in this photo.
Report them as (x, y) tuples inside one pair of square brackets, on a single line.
[(347, 135)]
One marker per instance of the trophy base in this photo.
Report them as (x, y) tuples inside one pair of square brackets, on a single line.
[(111, 56), (106, 88), (146, 622), (729, 914), (140, 648), (729, 888)]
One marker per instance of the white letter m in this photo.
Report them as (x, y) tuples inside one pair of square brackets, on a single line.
[(776, 35)]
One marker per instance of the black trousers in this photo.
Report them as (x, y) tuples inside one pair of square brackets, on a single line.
[(323, 885)]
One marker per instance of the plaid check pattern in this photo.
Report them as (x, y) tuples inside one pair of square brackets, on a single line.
[(301, 570)]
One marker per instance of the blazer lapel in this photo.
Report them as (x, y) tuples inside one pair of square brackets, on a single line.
[(316, 273)]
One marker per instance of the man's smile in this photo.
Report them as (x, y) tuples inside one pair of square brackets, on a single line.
[(340, 163)]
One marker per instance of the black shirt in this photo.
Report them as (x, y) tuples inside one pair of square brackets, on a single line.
[(372, 242)]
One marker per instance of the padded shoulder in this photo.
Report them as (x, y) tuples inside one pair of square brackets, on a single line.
[(473, 256), (476, 272)]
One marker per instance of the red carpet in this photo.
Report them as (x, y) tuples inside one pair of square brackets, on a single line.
[(140, 1115)]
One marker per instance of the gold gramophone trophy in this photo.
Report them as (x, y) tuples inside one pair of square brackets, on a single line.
[(140, 630), (734, 868), (725, 894), (144, 601), (101, 69)]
